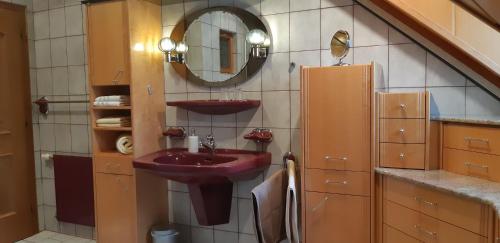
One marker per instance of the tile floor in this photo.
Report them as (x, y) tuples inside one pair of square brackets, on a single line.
[(52, 237)]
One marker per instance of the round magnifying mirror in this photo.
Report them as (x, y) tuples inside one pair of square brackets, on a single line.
[(339, 46)]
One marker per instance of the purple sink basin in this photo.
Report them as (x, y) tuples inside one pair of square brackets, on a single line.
[(209, 177)]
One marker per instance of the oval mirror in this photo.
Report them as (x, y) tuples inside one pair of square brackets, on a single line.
[(339, 46), (219, 54)]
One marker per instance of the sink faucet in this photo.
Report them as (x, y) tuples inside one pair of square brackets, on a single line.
[(209, 143)]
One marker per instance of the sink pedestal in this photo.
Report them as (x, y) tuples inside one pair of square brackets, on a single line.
[(212, 202)]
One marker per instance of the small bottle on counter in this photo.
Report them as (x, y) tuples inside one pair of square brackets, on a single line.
[(193, 142)]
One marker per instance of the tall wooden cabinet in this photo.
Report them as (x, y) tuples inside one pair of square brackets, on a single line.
[(337, 153), (124, 60)]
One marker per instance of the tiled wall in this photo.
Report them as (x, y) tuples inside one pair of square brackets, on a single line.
[(59, 74), (301, 32)]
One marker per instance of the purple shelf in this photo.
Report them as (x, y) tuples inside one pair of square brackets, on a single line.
[(216, 107)]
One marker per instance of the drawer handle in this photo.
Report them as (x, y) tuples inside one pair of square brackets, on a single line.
[(328, 181), (418, 199), (328, 157), (6, 155), (320, 204), (402, 156), (402, 130), (427, 232), (471, 139), (5, 132), (402, 106), (469, 164)]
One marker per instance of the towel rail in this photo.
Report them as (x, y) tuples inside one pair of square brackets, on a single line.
[(288, 156), (43, 103)]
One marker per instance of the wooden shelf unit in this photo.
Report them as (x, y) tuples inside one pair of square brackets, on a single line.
[(128, 202)]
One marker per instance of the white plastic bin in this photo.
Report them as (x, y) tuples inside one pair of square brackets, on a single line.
[(163, 234)]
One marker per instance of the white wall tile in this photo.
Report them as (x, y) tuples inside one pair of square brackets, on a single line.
[(225, 137), (403, 58), (245, 214), (60, 80), (295, 109), (333, 20), (51, 223), (80, 139), (305, 30), (57, 23), (84, 231), (396, 37), (225, 237), (335, 3), (215, 3), (480, 103), (279, 145), (244, 238), (75, 50), (279, 27), (42, 29), (440, 74), (74, 20), (63, 138), (44, 81), (447, 100), (42, 52), (276, 109), (245, 187), (47, 138), (176, 116), (56, 4), (378, 54), (58, 52), (39, 5), (299, 5), (47, 169), (275, 74), (369, 30), (202, 235), (252, 117), (67, 228), (252, 6), (327, 58), (305, 58), (49, 192), (76, 80), (175, 9), (180, 206), (275, 6)]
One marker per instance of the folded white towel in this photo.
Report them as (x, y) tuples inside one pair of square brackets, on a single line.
[(114, 125), (111, 103), (113, 120), (113, 98)]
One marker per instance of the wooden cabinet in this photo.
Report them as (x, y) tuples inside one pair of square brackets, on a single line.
[(392, 235), (396, 155), (402, 105), (337, 218), (337, 160), (402, 131), (108, 46), (115, 207)]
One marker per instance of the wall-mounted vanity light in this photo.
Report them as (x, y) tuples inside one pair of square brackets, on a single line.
[(259, 42), (174, 52)]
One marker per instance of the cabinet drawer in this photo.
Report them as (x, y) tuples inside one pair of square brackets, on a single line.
[(114, 165), (334, 181), (402, 105), (402, 130), (391, 235), (425, 228), (472, 138), (480, 165), (465, 213), (337, 218), (410, 156)]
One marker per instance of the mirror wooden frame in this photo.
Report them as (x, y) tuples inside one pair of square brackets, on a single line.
[(253, 64)]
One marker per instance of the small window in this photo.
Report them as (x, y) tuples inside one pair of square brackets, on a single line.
[(227, 49)]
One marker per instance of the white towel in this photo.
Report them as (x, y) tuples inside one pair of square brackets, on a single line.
[(114, 125), (111, 103), (113, 120), (291, 213), (113, 98)]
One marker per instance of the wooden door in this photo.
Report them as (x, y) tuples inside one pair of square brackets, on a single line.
[(336, 102), (336, 218), (115, 205), (18, 218), (108, 43)]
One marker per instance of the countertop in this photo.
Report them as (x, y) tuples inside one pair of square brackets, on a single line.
[(482, 190), (471, 119)]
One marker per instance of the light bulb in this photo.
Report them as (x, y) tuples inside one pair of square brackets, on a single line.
[(181, 48), (267, 42), (166, 45), (256, 37)]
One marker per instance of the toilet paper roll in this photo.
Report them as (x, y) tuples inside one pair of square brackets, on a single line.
[(124, 144)]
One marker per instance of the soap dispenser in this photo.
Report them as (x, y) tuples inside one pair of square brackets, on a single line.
[(193, 142)]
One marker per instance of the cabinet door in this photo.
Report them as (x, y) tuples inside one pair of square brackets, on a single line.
[(108, 43), (336, 108), (115, 208), (335, 218)]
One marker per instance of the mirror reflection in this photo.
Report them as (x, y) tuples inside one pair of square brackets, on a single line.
[(218, 49)]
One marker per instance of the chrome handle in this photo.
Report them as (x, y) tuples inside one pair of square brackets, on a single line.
[(401, 156), (328, 157), (470, 139), (328, 181), (428, 232), (320, 204), (402, 130), (117, 77), (418, 199), (469, 164), (402, 106), (6, 155)]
